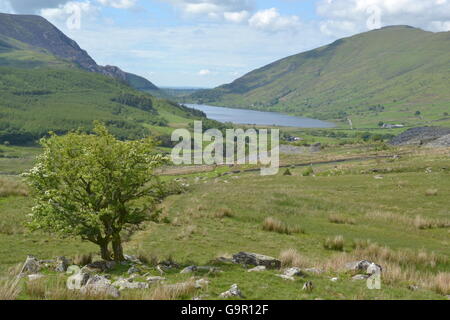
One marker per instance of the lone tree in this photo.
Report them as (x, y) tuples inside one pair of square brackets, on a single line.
[(94, 186)]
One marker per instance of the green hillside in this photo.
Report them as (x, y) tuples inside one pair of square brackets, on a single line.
[(381, 75), (40, 93)]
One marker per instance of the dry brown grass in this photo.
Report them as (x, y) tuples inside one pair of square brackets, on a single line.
[(336, 243), (339, 219), (10, 289), (275, 225), (12, 187), (431, 192), (186, 232), (292, 258), (441, 283), (82, 259), (224, 213), (418, 222)]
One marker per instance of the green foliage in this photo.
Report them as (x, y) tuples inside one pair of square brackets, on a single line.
[(88, 185)]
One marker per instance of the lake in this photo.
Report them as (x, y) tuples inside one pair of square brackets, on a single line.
[(252, 117)]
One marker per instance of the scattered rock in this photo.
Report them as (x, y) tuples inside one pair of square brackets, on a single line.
[(99, 266), (78, 280), (30, 266), (334, 279), (374, 268), (61, 264), (201, 283), (365, 266), (129, 284), (132, 259), (256, 260), (100, 289), (294, 272), (36, 276), (257, 269), (189, 269), (133, 270), (360, 277), (234, 291), (308, 286), (155, 279)]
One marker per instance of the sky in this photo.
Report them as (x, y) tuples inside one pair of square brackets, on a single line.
[(206, 43)]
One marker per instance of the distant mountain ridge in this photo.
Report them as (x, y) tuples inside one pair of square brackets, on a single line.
[(38, 32), (381, 75)]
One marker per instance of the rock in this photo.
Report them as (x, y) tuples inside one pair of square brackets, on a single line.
[(360, 277), (291, 272), (257, 269), (129, 284), (308, 286), (78, 280), (421, 136), (334, 279), (285, 277), (100, 289), (61, 264), (256, 260), (201, 283), (132, 259), (378, 177), (36, 276), (73, 269), (99, 266), (413, 287), (30, 266), (133, 270), (155, 279), (234, 291), (189, 269), (358, 265)]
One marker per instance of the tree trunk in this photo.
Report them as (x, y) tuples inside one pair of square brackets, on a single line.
[(117, 248), (106, 255)]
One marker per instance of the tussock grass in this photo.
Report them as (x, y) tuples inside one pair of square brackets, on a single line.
[(224, 213), (12, 187), (10, 289), (173, 292), (292, 258), (431, 192), (275, 225), (339, 219), (441, 283), (82, 259), (418, 222), (336, 243)]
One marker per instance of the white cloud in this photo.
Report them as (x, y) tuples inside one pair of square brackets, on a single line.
[(236, 17), (371, 14), (6, 7), (72, 13), (272, 20), (204, 72), (119, 4)]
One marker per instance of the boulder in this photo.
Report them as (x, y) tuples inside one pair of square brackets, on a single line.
[(291, 272), (155, 279), (129, 284), (365, 266), (257, 269), (234, 291), (189, 269), (30, 266), (78, 280), (313, 270), (61, 264), (374, 268), (132, 259), (99, 266), (133, 270), (256, 260), (201, 283), (99, 285)]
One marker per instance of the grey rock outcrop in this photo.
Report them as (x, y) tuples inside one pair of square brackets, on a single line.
[(234, 291), (420, 136), (256, 259)]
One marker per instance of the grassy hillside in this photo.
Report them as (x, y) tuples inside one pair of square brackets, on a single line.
[(381, 75), (397, 217)]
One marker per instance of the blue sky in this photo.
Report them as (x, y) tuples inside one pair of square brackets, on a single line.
[(205, 43)]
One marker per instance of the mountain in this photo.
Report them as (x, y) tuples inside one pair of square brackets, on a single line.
[(386, 74), (42, 92), (41, 34)]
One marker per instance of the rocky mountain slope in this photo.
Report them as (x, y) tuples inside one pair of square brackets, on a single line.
[(39, 33)]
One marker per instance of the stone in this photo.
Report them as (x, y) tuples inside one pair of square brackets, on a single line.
[(78, 280), (123, 284), (189, 269), (256, 260), (313, 270), (374, 268), (201, 283), (155, 279), (99, 288), (234, 291), (132, 259), (73, 269), (285, 277), (334, 279), (133, 270), (291, 272), (30, 266), (358, 265), (257, 269), (61, 264), (33, 277), (308, 286), (100, 266), (360, 277)]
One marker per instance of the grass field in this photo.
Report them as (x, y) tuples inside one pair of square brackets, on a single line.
[(393, 211)]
